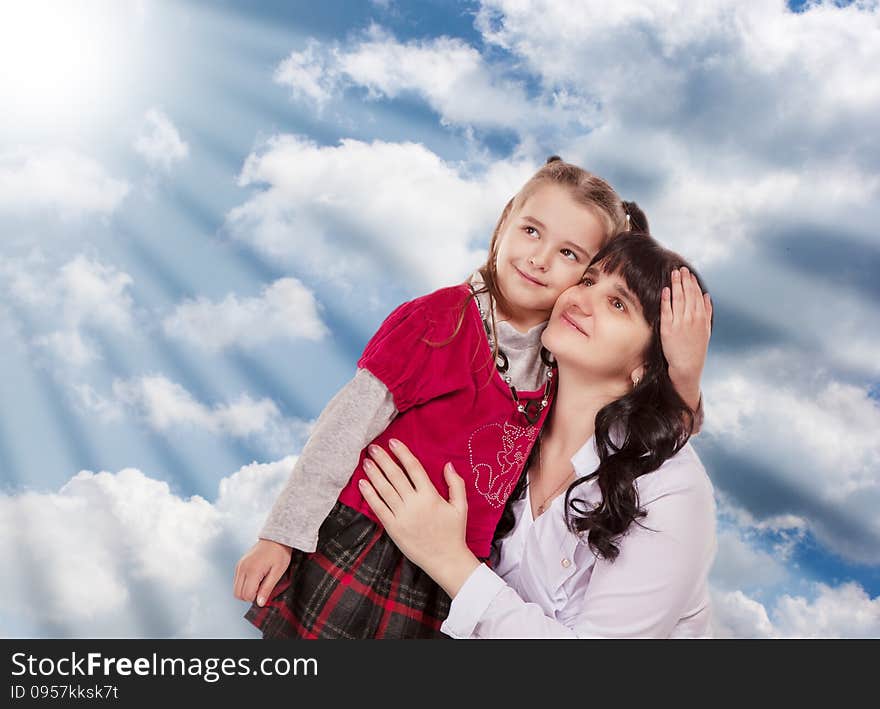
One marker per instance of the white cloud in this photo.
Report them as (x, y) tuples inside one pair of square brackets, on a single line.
[(740, 564), (845, 611), (814, 435), (61, 181), (68, 346), (735, 615), (81, 293), (285, 308), (367, 211), (168, 406), (159, 142), (308, 74), (122, 555), (446, 72), (727, 117)]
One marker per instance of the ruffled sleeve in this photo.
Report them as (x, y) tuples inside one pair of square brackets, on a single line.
[(414, 352)]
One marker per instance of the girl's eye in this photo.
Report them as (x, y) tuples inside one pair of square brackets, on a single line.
[(618, 304), (587, 282), (531, 231), (569, 254)]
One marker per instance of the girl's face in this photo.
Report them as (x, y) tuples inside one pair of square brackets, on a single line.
[(598, 329), (544, 248)]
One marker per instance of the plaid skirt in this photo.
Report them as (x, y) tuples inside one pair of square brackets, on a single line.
[(355, 585)]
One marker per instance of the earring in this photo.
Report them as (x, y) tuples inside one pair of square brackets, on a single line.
[(636, 381)]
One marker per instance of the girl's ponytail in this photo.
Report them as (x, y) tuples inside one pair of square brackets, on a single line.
[(636, 219)]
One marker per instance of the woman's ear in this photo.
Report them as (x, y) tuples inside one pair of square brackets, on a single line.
[(637, 374)]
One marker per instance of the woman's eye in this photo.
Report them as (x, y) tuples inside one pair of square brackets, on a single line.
[(531, 231), (618, 304), (569, 254), (587, 282)]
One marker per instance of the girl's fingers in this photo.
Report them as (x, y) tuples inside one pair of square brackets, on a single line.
[(238, 583), (382, 486), (678, 303), (269, 581), (391, 469), (411, 465), (376, 503), (249, 589)]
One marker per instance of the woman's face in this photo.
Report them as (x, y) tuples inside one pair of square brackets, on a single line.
[(597, 328)]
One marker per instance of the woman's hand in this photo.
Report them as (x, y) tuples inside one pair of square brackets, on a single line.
[(428, 530), (685, 327), (258, 571)]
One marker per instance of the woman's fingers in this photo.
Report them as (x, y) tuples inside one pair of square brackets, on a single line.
[(666, 308), (678, 302), (389, 494), (457, 490), (391, 469), (376, 503), (689, 286), (707, 299), (413, 467)]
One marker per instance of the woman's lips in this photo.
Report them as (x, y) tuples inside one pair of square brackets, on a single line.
[(572, 324)]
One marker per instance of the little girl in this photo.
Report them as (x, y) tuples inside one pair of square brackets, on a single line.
[(461, 376)]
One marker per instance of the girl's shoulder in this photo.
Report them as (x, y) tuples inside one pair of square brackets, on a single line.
[(442, 299), (434, 313)]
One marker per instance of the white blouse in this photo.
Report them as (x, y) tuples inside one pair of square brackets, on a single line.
[(549, 584)]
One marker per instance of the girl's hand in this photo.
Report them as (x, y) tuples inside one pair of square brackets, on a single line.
[(428, 530), (258, 571), (685, 327)]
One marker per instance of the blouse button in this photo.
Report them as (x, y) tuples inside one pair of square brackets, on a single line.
[(565, 563)]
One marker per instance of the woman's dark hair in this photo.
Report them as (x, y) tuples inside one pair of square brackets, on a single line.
[(636, 433)]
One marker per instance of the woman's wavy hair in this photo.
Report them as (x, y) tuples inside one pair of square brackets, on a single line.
[(636, 433)]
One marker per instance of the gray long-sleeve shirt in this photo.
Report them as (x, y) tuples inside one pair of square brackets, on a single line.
[(358, 413)]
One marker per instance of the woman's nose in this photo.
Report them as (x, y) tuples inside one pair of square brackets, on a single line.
[(584, 297)]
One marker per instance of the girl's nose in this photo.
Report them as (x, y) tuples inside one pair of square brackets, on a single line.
[(540, 257)]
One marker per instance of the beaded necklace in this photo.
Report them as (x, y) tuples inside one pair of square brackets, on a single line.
[(532, 409)]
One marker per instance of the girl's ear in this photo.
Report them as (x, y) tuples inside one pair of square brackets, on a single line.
[(637, 374)]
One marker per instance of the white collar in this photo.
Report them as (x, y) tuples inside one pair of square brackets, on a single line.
[(586, 460)]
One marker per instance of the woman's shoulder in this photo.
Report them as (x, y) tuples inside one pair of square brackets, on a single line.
[(681, 474)]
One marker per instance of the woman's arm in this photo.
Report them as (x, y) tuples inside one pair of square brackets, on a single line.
[(644, 593), (685, 328)]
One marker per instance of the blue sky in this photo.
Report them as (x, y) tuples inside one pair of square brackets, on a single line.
[(206, 208)]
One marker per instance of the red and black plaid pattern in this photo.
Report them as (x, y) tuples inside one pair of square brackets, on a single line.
[(356, 585)]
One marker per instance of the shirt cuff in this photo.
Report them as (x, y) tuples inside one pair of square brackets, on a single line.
[(306, 543), (471, 602)]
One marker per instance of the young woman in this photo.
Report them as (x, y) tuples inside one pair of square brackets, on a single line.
[(612, 537)]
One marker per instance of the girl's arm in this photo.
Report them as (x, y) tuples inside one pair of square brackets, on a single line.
[(358, 413)]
